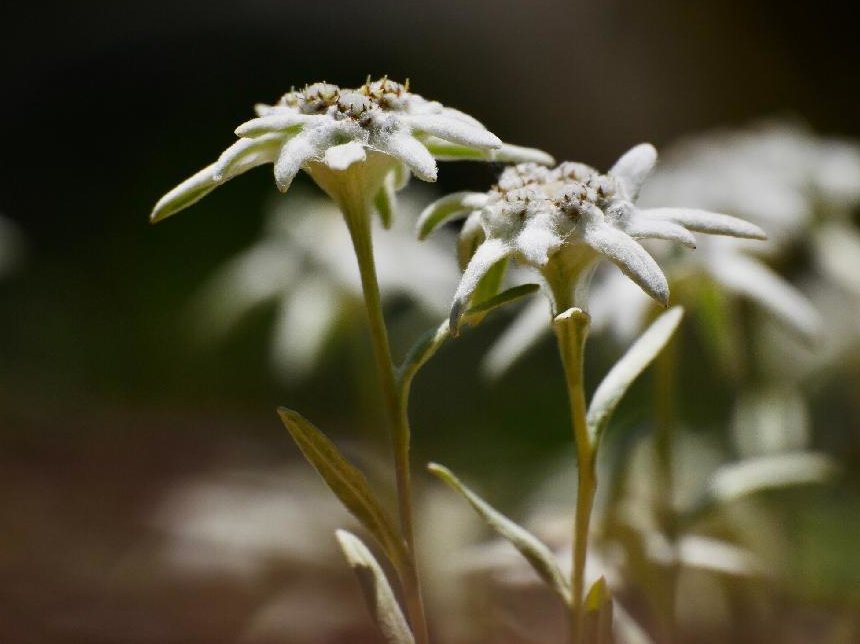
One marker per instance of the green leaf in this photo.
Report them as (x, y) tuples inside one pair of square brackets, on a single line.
[(537, 553), (347, 482), (422, 351), (377, 592), (488, 286), (385, 201), (597, 626), (447, 208), (627, 369), (477, 312), (429, 343), (718, 327)]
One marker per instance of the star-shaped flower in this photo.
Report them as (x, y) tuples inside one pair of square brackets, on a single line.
[(325, 130), (562, 220)]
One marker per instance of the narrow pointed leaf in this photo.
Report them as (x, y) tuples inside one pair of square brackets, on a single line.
[(597, 627), (385, 200), (421, 352), (627, 369), (538, 554), (347, 482), (441, 211), (487, 288), (505, 297), (377, 592)]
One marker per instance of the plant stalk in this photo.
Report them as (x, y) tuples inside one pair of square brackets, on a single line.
[(571, 329), (357, 215)]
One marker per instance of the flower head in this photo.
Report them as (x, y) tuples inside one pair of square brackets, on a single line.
[(382, 126), (562, 220)]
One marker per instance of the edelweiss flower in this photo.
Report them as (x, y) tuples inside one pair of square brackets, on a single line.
[(562, 220), (325, 130)]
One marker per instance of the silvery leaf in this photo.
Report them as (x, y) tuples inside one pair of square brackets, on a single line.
[(377, 592), (627, 369)]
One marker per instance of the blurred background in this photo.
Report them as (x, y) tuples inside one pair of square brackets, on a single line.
[(148, 492)]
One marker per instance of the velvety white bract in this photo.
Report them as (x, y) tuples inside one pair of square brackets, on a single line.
[(382, 121), (562, 220)]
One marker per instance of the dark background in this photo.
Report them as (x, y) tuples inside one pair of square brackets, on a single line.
[(104, 397)]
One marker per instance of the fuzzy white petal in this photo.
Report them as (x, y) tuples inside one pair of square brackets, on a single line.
[(488, 253), (224, 168), (537, 240), (633, 260), (340, 157), (703, 221), (647, 228), (509, 153), (634, 166), (405, 147), (447, 151), (203, 182), (294, 154), (454, 130), (274, 122)]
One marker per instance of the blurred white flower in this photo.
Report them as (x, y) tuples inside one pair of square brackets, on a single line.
[(304, 263), (778, 175), (560, 221), (324, 129)]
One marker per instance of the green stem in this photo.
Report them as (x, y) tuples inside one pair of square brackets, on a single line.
[(571, 329), (357, 217)]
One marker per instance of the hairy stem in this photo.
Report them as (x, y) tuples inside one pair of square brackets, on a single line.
[(358, 220), (571, 329)]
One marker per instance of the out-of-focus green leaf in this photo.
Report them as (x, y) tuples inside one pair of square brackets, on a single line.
[(377, 592), (627, 369), (385, 200), (537, 553), (347, 482), (718, 327), (597, 614)]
